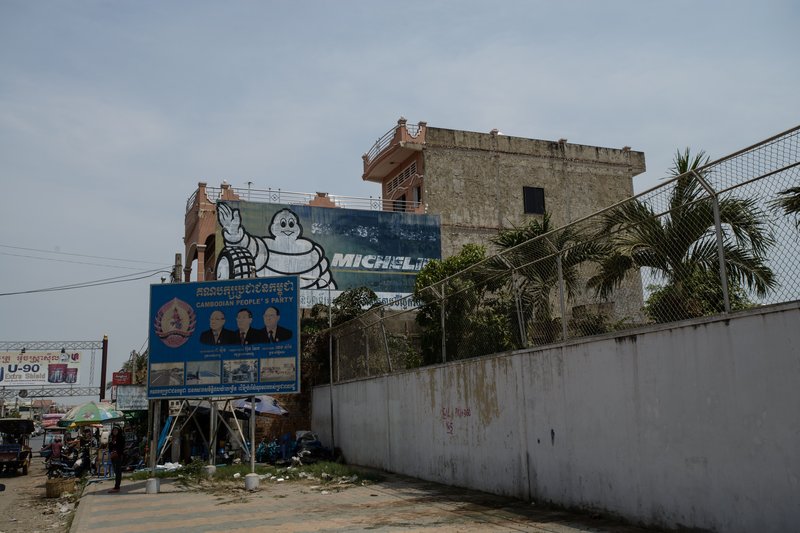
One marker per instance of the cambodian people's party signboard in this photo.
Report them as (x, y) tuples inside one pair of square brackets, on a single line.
[(224, 338)]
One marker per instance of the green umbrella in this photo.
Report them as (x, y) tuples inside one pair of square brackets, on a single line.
[(91, 413)]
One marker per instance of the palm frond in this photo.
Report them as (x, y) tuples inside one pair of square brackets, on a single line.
[(789, 203), (611, 273)]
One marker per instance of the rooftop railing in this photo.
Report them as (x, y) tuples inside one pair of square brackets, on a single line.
[(280, 196), (385, 140)]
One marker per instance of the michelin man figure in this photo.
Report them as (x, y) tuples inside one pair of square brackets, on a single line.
[(285, 252)]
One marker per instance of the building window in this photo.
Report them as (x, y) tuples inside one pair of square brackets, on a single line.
[(398, 180), (417, 195), (533, 200)]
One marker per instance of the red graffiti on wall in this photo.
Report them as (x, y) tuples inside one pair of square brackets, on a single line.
[(451, 413)]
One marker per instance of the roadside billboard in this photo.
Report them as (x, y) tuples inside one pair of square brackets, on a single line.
[(224, 338), (328, 248), (131, 397), (39, 368)]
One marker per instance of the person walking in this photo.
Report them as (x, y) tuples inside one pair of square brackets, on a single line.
[(116, 447)]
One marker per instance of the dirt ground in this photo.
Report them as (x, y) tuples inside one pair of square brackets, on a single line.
[(24, 507), (394, 503)]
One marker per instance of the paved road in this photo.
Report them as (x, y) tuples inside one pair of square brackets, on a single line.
[(395, 504)]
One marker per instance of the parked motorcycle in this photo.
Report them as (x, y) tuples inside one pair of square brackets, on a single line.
[(133, 459), (268, 452), (72, 463)]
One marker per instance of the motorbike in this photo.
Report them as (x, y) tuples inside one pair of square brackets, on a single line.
[(268, 452), (133, 459), (72, 463)]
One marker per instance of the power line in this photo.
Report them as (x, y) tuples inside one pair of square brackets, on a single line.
[(76, 255), (68, 261), (95, 283)]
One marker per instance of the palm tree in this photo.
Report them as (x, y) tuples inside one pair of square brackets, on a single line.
[(534, 250), (680, 246), (789, 203)]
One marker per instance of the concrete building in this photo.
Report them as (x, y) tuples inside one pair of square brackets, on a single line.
[(483, 182), (480, 183)]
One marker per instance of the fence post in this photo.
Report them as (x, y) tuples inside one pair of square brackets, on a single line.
[(523, 335), (516, 286), (366, 351), (561, 298), (723, 272), (444, 336), (386, 346), (338, 362)]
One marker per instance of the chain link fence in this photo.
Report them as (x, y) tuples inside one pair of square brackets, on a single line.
[(718, 238)]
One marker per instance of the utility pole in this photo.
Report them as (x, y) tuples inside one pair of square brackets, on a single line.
[(176, 270), (104, 368)]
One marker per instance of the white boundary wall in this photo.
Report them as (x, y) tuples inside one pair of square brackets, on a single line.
[(694, 424)]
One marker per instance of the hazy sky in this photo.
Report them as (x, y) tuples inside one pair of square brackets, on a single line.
[(111, 112)]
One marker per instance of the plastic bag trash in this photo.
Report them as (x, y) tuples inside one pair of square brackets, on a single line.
[(168, 467), (237, 475)]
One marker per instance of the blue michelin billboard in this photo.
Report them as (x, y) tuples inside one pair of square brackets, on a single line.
[(329, 249), (224, 338)]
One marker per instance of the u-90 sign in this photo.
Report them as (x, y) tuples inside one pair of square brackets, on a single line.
[(39, 368)]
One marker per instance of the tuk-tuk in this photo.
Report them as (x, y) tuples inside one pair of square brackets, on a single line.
[(52, 431), (50, 435), (15, 451)]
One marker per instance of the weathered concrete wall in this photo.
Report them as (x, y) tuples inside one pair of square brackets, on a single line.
[(475, 180), (694, 424)]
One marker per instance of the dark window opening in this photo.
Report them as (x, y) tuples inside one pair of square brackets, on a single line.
[(533, 200), (400, 204)]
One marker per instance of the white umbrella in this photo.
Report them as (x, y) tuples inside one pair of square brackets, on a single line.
[(265, 405)]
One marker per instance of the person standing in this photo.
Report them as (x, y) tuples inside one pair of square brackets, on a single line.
[(55, 449), (116, 447)]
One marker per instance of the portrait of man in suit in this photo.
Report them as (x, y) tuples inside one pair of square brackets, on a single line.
[(272, 332), (218, 334), (246, 334)]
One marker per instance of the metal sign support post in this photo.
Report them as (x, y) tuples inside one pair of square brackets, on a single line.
[(212, 438), (252, 434), (330, 366), (153, 482), (251, 479)]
